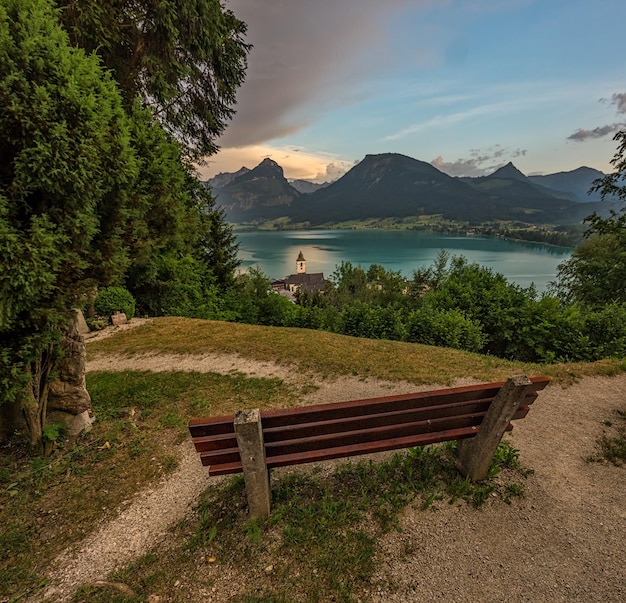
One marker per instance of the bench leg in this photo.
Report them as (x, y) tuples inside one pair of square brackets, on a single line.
[(476, 453), (252, 451)]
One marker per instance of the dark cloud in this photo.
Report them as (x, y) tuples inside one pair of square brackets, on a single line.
[(305, 55), (599, 132), (480, 163), (619, 100)]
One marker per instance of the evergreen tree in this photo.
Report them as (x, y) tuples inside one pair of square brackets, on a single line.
[(185, 59), (66, 164)]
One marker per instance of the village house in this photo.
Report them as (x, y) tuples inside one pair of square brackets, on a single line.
[(309, 282)]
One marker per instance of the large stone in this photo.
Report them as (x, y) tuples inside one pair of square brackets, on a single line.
[(69, 391), (73, 423), (119, 318), (81, 323)]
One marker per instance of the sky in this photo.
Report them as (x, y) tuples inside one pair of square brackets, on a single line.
[(467, 85)]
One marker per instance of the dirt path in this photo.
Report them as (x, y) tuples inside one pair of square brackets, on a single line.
[(565, 541)]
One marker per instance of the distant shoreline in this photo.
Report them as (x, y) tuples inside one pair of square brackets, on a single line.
[(564, 237)]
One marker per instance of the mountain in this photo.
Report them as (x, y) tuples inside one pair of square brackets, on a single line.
[(224, 178), (257, 193), (383, 185), (304, 186), (509, 183), (508, 172), (577, 182), (396, 185)]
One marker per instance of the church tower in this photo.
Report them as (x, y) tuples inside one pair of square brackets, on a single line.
[(300, 264)]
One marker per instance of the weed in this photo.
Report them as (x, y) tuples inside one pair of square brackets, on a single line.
[(611, 445)]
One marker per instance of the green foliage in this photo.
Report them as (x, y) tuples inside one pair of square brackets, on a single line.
[(184, 59), (450, 304), (480, 295), (93, 191), (595, 275), (614, 184), (253, 301), (446, 328), (114, 299), (66, 162)]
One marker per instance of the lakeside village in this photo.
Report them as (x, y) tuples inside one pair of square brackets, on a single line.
[(302, 280)]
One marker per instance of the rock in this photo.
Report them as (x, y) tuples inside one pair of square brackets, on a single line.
[(119, 318), (73, 423), (81, 323), (68, 392)]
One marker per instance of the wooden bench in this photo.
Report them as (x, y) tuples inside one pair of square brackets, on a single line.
[(253, 441)]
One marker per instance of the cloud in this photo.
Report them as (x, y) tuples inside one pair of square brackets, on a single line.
[(619, 100), (599, 132), (296, 163), (479, 163), (305, 56)]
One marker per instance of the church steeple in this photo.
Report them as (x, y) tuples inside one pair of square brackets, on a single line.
[(300, 264)]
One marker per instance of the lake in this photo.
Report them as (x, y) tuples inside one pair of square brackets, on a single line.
[(275, 252)]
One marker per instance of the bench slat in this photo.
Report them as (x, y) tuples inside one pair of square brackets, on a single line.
[(353, 450), (386, 432), (352, 408), (396, 417), (224, 442)]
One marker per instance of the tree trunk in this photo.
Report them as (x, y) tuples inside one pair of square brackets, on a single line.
[(35, 403)]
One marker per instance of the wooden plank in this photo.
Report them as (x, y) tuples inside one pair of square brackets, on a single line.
[(372, 434), (208, 426), (396, 417), (357, 408), (220, 457), (217, 442), (352, 450), (354, 408)]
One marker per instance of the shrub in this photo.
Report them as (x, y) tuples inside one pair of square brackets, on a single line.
[(115, 299), (447, 328)]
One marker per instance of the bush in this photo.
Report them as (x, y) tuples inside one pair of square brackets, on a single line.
[(115, 299), (446, 328)]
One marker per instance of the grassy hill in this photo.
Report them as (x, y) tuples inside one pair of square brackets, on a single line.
[(329, 521), (332, 355)]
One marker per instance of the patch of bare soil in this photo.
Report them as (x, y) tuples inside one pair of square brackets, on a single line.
[(563, 542)]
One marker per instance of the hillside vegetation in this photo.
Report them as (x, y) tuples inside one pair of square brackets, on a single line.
[(48, 504)]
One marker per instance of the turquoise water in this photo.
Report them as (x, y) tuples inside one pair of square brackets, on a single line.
[(275, 253)]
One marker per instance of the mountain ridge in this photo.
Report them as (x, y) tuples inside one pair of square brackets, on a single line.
[(395, 185)]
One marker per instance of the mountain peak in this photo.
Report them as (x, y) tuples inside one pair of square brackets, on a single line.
[(508, 172), (269, 168)]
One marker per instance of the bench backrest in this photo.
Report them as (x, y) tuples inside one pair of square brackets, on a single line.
[(325, 431)]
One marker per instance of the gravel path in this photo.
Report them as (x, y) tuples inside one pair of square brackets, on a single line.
[(563, 542)]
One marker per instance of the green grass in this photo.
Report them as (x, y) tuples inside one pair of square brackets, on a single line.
[(48, 503), (330, 355), (321, 540)]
